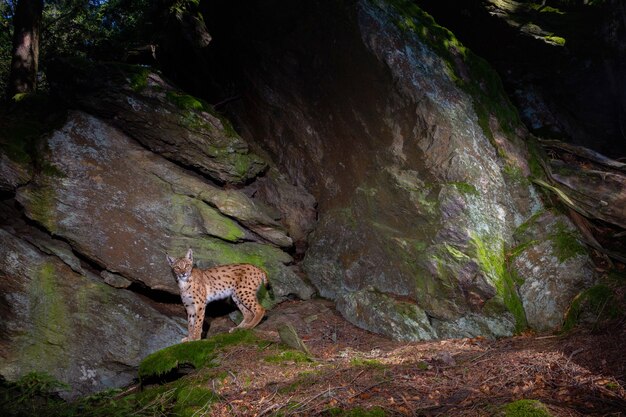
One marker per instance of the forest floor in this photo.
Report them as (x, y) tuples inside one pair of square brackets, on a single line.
[(352, 372)]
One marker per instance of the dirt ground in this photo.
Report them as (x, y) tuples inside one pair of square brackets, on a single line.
[(579, 374)]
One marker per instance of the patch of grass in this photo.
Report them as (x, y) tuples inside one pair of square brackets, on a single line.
[(525, 408), (193, 401), (197, 353), (289, 356)]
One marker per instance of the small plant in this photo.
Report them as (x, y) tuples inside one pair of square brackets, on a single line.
[(35, 393), (525, 408)]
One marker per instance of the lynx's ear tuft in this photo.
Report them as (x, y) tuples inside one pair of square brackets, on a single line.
[(170, 260), (190, 254)]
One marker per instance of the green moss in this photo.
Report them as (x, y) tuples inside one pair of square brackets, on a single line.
[(288, 356), (465, 188), (198, 353), (185, 101), (557, 40), (566, 243), (523, 228), (519, 249), (50, 319), (213, 222), (493, 263), (525, 408), (138, 77), (36, 395), (41, 206), (598, 300)]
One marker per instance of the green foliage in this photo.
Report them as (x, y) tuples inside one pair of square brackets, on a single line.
[(34, 394), (86, 28), (23, 132), (197, 353), (525, 408), (92, 28)]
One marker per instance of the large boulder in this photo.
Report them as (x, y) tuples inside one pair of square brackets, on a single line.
[(414, 154), (554, 266), (124, 207), (70, 324), (164, 119)]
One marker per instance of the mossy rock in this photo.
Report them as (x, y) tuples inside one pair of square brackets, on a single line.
[(594, 305), (470, 72), (197, 353)]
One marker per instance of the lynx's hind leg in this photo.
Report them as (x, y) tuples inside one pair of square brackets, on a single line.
[(259, 312), (248, 314)]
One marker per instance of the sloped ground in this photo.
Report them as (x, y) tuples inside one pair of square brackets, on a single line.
[(351, 372), (574, 375)]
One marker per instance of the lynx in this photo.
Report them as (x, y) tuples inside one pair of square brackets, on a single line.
[(198, 287)]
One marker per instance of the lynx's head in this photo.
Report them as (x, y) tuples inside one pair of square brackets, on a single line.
[(181, 266)]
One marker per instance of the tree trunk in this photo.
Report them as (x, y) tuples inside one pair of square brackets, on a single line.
[(26, 24)]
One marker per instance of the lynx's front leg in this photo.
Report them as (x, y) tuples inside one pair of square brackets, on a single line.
[(195, 319)]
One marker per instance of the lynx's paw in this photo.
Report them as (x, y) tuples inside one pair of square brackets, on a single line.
[(184, 339)]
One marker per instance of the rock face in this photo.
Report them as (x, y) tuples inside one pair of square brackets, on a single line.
[(70, 324), (555, 267), (560, 61), (421, 222), (413, 154), (124, 207), (154, 171)]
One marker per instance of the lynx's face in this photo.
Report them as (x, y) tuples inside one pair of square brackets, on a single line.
[(181, 266)]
